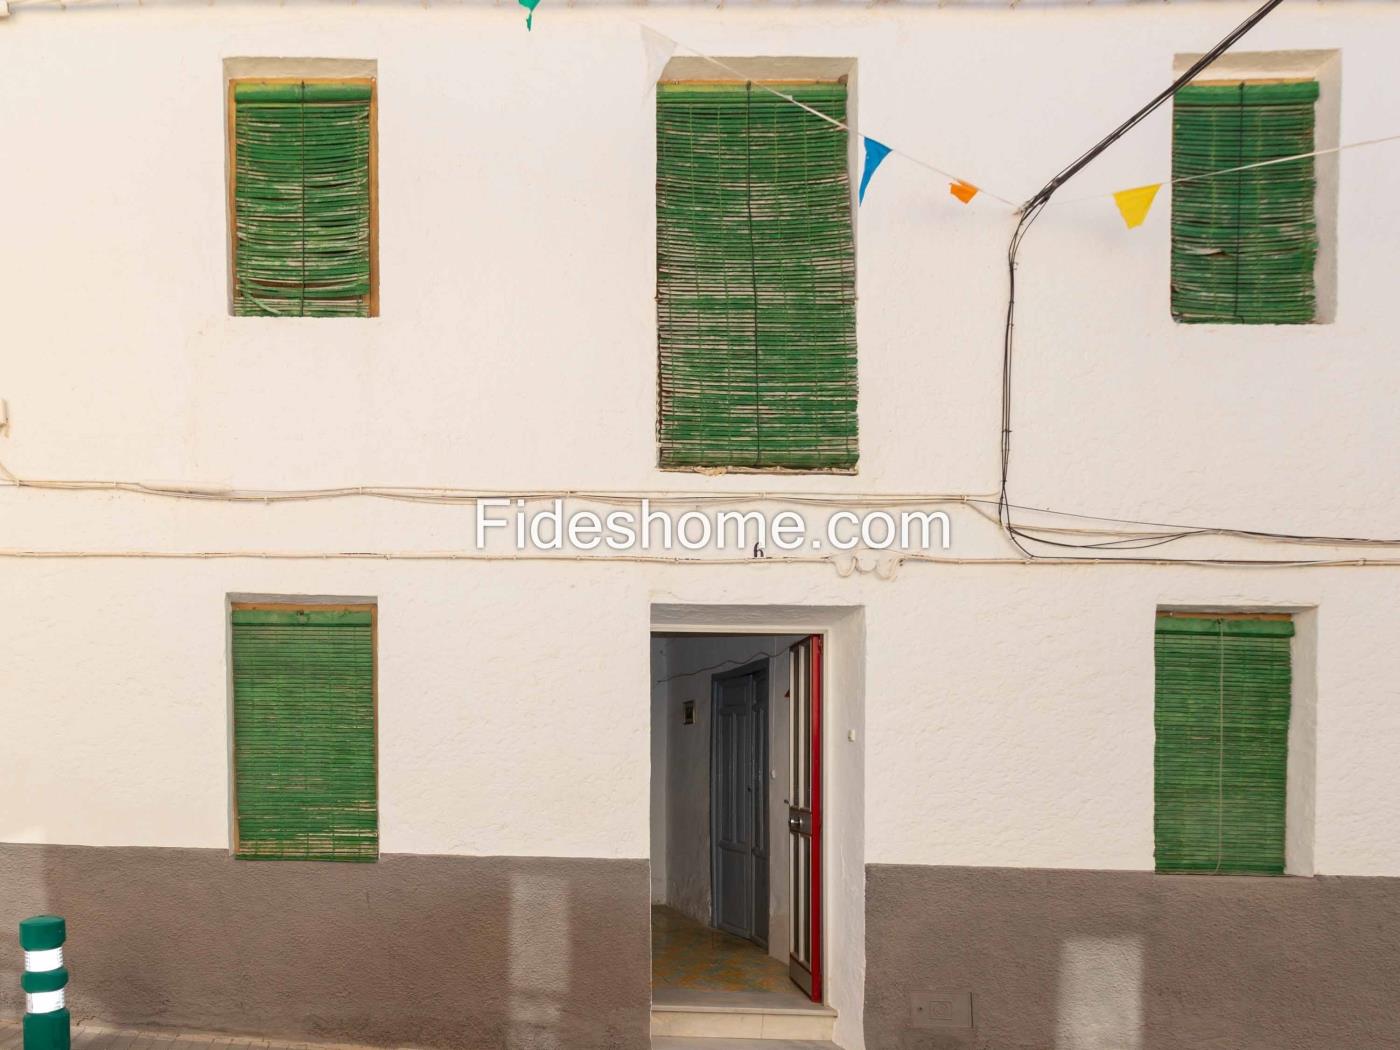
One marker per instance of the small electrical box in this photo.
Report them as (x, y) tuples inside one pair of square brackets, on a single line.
[(940, 1009)]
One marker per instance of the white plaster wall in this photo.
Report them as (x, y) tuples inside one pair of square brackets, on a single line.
[(116, 699), (847, 833), (517, 342), (516, 349), (1008, 721), (1008, 709)]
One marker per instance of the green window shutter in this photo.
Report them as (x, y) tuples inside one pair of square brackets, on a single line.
[(301, 199), (304, 735), (755, 279), (1223, 697), (1244, 244)]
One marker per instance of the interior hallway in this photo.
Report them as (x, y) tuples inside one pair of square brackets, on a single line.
[(690, 960), (685, 672)]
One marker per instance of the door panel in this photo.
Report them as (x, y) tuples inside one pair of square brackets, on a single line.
[(805, 817), (733, 842), (738, 798)]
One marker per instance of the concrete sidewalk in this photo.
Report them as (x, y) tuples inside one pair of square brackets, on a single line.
[(92, 1035)]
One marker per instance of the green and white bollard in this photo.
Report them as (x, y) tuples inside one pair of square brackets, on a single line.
[(46, 1019)]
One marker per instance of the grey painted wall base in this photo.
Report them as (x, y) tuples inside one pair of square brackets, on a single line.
[(1080, 960), (505, 953)]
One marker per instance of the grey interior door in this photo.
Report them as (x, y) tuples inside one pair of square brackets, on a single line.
[(739, 802)]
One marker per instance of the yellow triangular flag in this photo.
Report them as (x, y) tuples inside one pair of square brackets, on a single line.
[(1134, 203)]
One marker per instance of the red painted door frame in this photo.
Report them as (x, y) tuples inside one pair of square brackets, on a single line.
[(805, 817), (818, 951)]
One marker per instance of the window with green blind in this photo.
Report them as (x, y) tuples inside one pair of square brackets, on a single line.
[(1244, 244), (301, 193), (305, 785), (755, 278), (1224, 688)]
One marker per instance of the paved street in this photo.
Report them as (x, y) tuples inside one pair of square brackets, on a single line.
[(90, 1036), (101, 1037)]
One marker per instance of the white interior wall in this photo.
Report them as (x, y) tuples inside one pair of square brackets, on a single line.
[(660, 743), (688, 784)]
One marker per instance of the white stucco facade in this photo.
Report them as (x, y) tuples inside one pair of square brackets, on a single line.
[(1006, 709)]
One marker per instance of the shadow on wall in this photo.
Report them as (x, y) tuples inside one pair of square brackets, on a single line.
[(1072, 960), (500, 952)]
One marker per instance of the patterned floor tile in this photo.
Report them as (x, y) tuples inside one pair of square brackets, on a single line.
[(689, 954)]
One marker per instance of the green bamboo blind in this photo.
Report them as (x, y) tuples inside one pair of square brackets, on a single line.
[(1223, 696), (755, 279), (1244, 244), (304, 734), (301, 199)]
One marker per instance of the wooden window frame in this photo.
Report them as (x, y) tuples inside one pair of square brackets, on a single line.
[(772, 81), (1243, 82), (231, 148), (303, 606), (1236, 616)]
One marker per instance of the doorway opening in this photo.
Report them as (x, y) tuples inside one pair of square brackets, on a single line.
[(737, 820)]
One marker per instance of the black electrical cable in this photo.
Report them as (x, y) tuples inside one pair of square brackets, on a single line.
[(1030, 211), (1182, 529), (713, 667)]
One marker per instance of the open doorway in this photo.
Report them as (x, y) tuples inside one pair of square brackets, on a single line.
[(736, 823)]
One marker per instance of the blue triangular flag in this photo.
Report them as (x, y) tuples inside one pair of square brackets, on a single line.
[(875, 152)]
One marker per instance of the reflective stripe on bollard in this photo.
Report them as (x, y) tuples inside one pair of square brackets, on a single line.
[(45, 980)]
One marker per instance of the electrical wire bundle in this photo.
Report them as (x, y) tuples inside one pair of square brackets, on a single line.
[(1030, 211)]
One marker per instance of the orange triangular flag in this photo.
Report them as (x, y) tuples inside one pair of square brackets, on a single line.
[(1134, 203), (963, 191)]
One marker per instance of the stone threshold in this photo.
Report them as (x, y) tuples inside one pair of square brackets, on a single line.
[(736, 1002)]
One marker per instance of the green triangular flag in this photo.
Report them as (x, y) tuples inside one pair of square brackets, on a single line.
[(530, 6)]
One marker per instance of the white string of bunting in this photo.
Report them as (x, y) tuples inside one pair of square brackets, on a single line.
[(1133, 203), (875, 150)]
